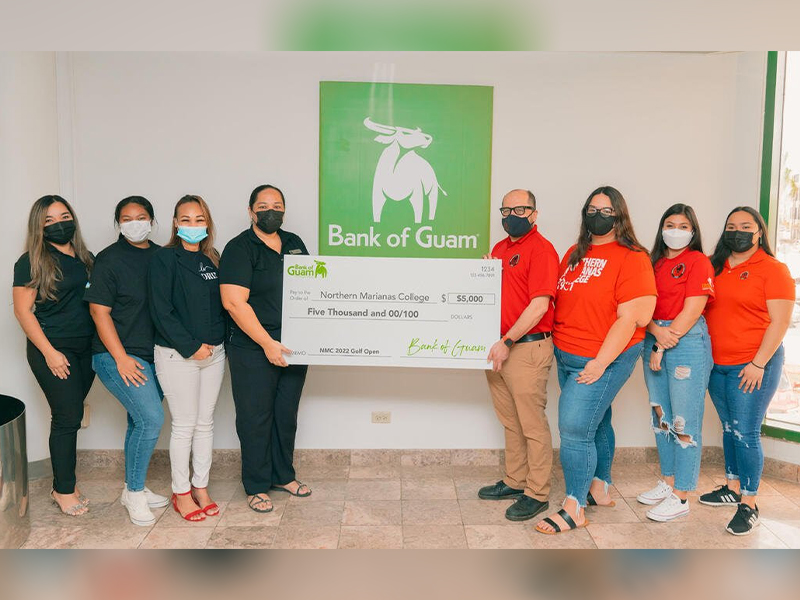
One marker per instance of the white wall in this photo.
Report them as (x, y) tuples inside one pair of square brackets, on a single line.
[(29, 168), (663, 128)]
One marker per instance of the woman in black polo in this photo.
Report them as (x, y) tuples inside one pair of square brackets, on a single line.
[(123, 347), (266, 391), (190, 356), (49, 280)]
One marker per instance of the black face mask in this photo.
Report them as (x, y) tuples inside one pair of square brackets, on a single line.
[(598, 223), (516, 226), (59, 233), (269, 221), (738, 241)]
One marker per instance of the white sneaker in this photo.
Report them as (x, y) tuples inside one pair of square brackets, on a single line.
[(139, 512), (656, 495), (670, 508), (153, 500)]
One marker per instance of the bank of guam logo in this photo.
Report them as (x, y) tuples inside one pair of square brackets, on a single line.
[(514, 261), (744, 275), (318, 269), (401, 173), (678, 271)]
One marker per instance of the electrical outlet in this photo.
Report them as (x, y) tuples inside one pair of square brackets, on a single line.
[(381, 417), (86, 416)]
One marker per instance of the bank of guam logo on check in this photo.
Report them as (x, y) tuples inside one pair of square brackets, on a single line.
[(318, 269)]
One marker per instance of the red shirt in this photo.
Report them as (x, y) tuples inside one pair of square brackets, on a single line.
[(530, 269), (739, 317), (688, 274), (587, 296)]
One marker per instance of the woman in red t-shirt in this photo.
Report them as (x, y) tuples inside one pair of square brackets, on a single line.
[(604, 298), (747, 322), (679, 351)]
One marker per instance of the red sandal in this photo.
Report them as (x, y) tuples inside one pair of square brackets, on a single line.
[(188, 516), (206, 509)]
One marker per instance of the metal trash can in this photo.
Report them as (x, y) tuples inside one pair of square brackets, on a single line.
[(14, 518)]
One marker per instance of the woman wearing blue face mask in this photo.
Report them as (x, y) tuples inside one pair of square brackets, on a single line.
[(189, 354), (123, 347)]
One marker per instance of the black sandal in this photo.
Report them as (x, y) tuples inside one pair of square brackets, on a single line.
[(256, 499), (556, 529), (592, 502), (300, 485)]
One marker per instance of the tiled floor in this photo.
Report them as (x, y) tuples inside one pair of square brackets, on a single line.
[(405, 507)]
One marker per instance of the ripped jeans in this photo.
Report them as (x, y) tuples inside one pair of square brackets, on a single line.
[(584, 419), (741, 414), (679, 391)]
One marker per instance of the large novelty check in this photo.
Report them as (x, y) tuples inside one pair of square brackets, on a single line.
[(403, 312)]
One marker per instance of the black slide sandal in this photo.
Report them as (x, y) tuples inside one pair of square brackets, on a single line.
[(592, 502), (556, 528)]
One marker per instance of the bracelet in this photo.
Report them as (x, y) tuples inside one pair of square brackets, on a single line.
[(756, 366)]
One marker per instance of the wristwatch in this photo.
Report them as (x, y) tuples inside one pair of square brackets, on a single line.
[(657, 350), (507, 341)]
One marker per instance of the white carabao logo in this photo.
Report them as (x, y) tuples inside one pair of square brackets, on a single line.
[(401, 173)]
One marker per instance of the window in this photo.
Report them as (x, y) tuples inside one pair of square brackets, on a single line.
[(780, 201)]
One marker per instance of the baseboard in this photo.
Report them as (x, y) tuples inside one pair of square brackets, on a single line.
[(227, 464)]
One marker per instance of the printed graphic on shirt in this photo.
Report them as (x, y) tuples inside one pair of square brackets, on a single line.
[(708, 285), (207, 272), (678, 270), (744, 275), (513, 261), (590, 267)]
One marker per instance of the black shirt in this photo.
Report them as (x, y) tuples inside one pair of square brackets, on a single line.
[(249, 262), (184, 300), (68, 315), (119, 280)]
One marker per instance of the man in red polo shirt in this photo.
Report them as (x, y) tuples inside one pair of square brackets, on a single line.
[(522, 357)]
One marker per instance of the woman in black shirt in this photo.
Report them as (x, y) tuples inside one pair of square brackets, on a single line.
[(123, 347), (266, 391), (49, 280), (190, 355)]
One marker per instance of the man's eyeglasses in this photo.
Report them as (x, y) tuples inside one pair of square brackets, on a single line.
[(520, 211), (606, 212)]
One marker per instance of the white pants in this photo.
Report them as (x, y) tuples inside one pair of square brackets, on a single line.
[(191, 388)]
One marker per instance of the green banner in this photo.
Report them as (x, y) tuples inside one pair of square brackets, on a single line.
[(405, 170)]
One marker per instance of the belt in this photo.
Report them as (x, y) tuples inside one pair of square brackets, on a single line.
[(534, 337)]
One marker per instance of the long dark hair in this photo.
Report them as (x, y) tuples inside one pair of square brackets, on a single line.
[(623, 228), (721, 252), (207, 244), (45, 271), (696, 243)]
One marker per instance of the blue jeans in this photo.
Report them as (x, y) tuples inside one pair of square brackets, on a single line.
[(584, 419), (145, 415), (679, 390), (741, 414)]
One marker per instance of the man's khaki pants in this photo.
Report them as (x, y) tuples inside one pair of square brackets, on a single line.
[(519, 392)]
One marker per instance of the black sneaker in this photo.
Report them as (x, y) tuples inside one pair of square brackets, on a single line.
[(499, 491), (525, 508), (744, 521), (721, 496)]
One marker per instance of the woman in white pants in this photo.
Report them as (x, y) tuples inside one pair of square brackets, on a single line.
[(189, 354)]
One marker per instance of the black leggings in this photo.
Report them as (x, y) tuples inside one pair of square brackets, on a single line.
[(65, 397), (266, 398)]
